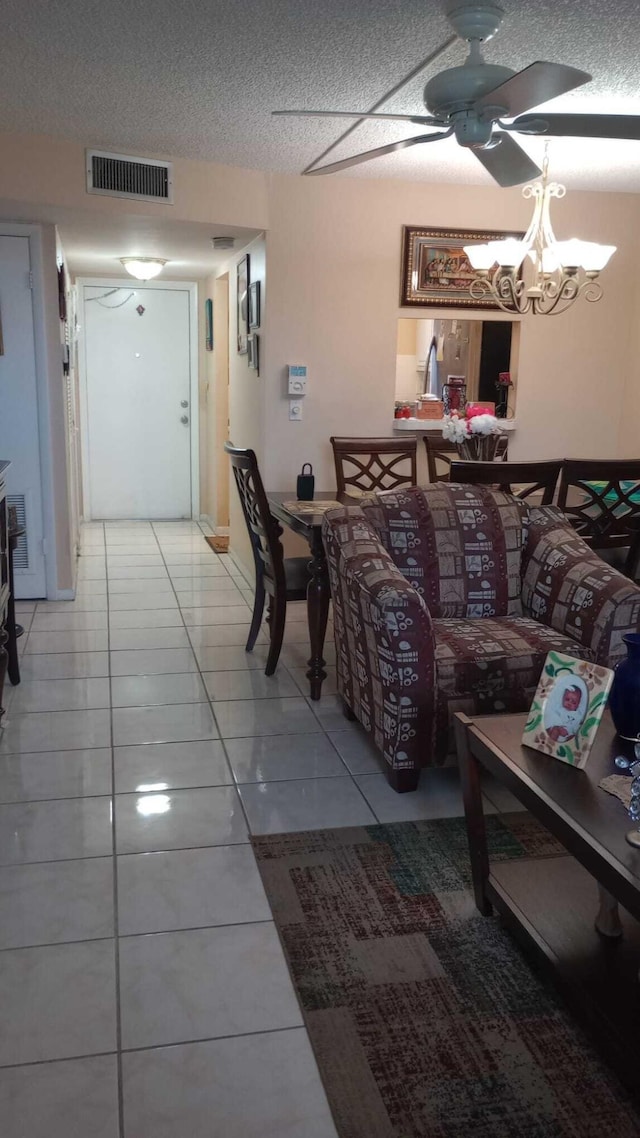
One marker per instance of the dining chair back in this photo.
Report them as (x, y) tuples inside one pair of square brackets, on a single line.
[(522, 479), (601, 498), (282, 579), (441, 453), (365, 465)]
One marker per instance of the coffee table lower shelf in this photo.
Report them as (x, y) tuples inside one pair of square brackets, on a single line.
[(549, 903)]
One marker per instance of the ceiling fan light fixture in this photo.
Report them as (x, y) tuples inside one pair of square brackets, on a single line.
[(553, 274), (143, 268)]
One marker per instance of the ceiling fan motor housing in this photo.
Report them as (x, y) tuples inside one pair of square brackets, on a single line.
[(457, 88)]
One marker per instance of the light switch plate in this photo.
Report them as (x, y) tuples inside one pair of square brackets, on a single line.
[(295, 409)]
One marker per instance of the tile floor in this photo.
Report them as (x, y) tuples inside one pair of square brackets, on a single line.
[(143, 990)]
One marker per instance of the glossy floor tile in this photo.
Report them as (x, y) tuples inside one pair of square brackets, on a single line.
[(439, 795), (55, 830), (357, 751), (54, 902), (182, 889), (136, 691), (76, 985), (60, 695), (249, 683), (273, 758), (173, 724), (253, 717), (137, 638), (304, 804), (71, 1098), (162, 766), (164, 999), (78, 640), (145, 618), (178, 819), (55, 730), (147, 661), (55, 774), (260, 1086), (221, 658), (63, 666)]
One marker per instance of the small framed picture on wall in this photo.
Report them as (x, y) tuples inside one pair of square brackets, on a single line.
[(208, 322), (254, 305), (253, 347), (242, 290)]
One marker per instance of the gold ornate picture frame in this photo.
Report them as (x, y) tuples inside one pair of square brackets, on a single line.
[(435, 269)]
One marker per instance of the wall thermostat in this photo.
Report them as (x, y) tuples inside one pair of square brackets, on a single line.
[(297, 379)]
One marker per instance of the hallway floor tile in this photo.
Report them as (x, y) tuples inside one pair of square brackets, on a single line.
[(141, 750)]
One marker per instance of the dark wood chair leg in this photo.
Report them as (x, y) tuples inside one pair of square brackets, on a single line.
[(256, 619), (403, 781), (278, 615), (474, 814), (347, 712)]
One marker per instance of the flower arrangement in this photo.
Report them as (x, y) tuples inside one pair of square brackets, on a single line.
[(475, 433)]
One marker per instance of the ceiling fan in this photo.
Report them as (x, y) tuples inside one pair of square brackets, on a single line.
[(472, 102)]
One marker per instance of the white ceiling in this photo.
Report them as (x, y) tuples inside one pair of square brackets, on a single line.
[(198, 78)]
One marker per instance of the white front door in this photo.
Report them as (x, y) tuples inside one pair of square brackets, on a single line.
[(19, 432), (138, 401)]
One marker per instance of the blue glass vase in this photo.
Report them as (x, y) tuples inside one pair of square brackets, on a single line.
[(624, 700)]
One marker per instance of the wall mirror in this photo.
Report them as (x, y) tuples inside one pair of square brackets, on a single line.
[(481, 351)]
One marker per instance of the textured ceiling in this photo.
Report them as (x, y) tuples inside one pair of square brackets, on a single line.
[(198, 78)]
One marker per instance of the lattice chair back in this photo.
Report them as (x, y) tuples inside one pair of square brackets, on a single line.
[(601, 499), (263, 529), (366, 465), (522, 479)]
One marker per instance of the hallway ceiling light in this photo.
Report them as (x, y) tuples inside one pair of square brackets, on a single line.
[(143, 268), (538, 274)]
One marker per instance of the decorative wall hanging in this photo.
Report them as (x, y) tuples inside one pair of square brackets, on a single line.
[(242, 302), (208, 322), (254, 305), (436, 271), (253, 347)]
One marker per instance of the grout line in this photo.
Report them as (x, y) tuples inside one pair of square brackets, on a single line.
[(139, 933), (154, 1046)]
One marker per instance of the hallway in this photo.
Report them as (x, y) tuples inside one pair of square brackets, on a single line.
[(143, 990)]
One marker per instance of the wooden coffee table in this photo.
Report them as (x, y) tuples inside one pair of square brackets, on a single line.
[(550, 903)]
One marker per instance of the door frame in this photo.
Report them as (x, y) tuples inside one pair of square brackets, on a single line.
[(41, 342), (189, 287)]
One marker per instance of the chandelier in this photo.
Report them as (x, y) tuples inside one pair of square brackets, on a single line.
[(538, 273)]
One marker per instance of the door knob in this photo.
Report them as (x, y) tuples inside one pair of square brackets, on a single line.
[(184, 418), (184, 403)]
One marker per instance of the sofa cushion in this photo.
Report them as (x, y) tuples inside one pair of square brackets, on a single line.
[(491, 665), (460, 546)]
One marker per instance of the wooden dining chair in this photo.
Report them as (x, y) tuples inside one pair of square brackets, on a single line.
[(366, 465), (523, 479), (601, 498), (441, 453), (281, 578)]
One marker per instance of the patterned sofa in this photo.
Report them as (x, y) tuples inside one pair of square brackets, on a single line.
[(448, 598)]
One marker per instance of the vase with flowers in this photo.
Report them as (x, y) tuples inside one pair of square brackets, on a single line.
[(476, 433)]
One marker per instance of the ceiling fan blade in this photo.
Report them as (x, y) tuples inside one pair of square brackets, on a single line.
[(423, 120), (508, 163), (581, 126), (537, 84), (356, 159)]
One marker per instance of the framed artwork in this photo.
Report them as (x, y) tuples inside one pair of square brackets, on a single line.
[(254, 305), (208, 323), (242, 294), (567, 708), (253, 348), (435, 269)]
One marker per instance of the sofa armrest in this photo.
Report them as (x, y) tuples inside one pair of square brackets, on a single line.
[(384, 641), (567, 586)]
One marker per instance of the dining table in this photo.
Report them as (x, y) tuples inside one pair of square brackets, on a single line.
[(305, 518)]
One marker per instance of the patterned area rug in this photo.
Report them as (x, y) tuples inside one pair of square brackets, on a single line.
[(425, 1017)]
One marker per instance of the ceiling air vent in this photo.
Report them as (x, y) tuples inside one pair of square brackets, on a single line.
[(120, 176)]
